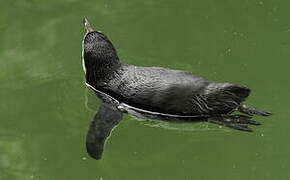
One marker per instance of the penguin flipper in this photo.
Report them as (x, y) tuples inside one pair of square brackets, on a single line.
[(104, 121)]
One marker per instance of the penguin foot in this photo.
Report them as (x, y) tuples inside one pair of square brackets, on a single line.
[(252, 111), (238, 122)]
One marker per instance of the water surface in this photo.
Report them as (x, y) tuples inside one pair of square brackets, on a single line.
[(46, 108)]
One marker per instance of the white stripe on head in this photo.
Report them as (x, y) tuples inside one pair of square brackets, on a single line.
[(83, 60)]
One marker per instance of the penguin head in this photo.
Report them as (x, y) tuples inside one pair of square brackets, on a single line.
[(97, 49)]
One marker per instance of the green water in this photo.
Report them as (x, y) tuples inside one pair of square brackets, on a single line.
[(45, 108)]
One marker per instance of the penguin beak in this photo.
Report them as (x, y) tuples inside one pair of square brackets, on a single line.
[(87, 27)]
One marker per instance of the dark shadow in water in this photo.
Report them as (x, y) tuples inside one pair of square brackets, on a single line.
[(109, 115)]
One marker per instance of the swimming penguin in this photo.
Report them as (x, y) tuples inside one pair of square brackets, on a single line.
[(158, 91), (154, 92)]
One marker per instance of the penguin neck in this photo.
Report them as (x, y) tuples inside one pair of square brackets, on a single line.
[(101, 71)]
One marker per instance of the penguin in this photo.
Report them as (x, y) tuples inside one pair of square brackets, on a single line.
[(162, 90)]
